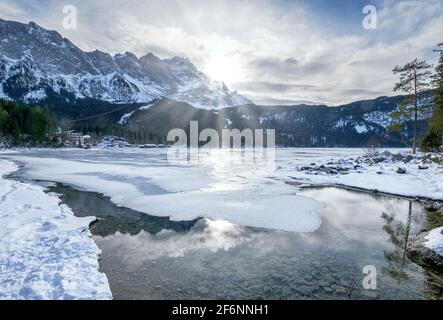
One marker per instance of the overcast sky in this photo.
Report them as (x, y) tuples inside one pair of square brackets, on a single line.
[(277, 51)]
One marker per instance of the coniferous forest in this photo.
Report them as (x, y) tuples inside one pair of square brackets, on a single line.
[(22, 124)]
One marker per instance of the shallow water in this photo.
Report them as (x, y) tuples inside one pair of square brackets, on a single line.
[(146, 257)]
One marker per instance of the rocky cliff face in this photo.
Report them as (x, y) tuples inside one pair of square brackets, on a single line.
[(36, 63)]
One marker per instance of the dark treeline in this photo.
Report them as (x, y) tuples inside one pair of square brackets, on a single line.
[(434, 138), (25, 124)]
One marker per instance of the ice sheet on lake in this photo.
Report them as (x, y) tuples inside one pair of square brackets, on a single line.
[(45, 251), (213, 189), (217, 189)]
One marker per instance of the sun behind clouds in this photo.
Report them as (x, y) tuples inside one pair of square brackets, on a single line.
[(222, 67)]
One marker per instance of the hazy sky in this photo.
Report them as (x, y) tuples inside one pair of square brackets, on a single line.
[(277, 51)]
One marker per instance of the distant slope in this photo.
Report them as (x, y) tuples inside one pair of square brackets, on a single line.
[(357, 124), (354, 125)]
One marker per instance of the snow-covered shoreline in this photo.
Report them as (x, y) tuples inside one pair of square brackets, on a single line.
[(422, 177), (45, 251)]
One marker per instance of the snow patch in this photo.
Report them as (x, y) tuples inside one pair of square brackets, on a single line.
[(147, 106), (45, 251), (341, 123), (378, 117), (2, 93), (125, 118), (435, 240), (361, 128), (229, 122), (34, 96)]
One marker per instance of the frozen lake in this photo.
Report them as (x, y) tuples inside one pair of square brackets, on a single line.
[(220, 184), (219, 228), (146, 257)]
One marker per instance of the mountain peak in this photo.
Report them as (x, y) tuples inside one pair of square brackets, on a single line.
[(178, 60), (126, 55), (150, 57), (56, 66), (33, 24)]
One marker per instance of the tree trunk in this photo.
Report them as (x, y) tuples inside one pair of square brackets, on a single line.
[(414, 141)]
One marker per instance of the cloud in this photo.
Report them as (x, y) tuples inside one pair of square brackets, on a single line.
[(206, 235), (287, 68), (268, 50)]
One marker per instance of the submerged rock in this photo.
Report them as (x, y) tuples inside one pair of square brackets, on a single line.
[(426, 251)]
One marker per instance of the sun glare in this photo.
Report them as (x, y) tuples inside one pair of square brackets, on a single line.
[(223, 68)]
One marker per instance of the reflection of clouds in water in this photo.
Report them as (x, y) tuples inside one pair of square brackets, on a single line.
[(204, 235), (356, 219)]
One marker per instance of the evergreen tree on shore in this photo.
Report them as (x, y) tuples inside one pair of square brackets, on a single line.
[(434, 138), (414, 80), (20, 123)]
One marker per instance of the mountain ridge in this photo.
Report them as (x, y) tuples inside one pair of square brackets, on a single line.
[(358, 124), (95, 89), (34, 61)]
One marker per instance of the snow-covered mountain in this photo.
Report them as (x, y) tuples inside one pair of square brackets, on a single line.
[(35, 63)]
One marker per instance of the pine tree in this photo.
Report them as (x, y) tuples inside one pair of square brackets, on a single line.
[(437, 119), (434, 138), (3, 120), (414, 80), (24, 123)]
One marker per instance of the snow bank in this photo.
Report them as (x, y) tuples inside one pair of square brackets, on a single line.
[(435, 240), (380, 176), (45, 251)]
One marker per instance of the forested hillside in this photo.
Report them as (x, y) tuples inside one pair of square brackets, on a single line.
[(26, 124)]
